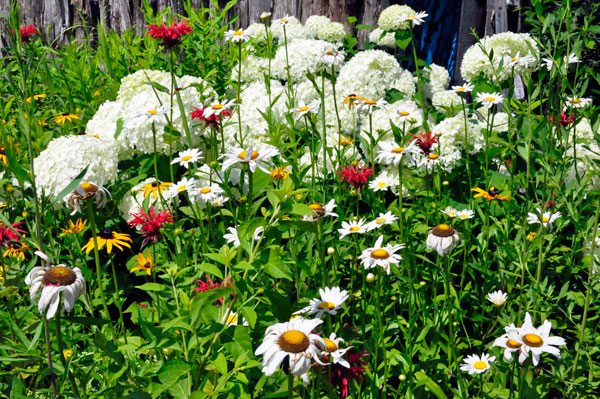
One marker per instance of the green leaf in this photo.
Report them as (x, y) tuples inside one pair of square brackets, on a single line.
[(119, 128), (158, 86), (151, 287), (423, 379), (14, 166), (351, 20), (172, 371), (364, 27), (69, 189)]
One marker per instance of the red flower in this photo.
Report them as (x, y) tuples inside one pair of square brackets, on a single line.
[(151, 223), (210, 285), (212, 120), (342, 376), (425, 141), (355, 176), (7, 235), (171, 35), (27, 32), (564, 120)]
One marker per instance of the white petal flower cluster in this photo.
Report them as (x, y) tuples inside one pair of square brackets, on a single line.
[(67, 156), (405, 84), (387, 40), (444, 99), (584, 157), (404, 114), (394, 17), (437, 79), (584, 132), (451, 133), (254, 69), (303, 55), (506, 46), (333, 32), (258, 32), (139, 105), (294, 30), (314, 23), (369, 74)]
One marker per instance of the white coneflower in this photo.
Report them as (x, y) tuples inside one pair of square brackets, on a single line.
[(54, 280), (292, 340), (442, 239)]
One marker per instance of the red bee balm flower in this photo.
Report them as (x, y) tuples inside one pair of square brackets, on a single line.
[(212, 120), (425, 141), (211, 285), (356, 176), (7, 235), (171, 35), (342, 376), (151, 223), (27, 32), (563, 121)]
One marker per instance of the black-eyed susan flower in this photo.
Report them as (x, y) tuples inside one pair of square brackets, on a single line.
[(346, 141), (443, 239), (67, 353), (16, 249), (279, 173), (491, 194), (36, 97), (53, 280), (109, 238), (155, 188), (65, 117), (3, 157), (352, 100), (145, 263), (76, 227)]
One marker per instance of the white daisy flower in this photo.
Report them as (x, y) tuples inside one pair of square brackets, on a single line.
[(536, 340), (217, 108), (332, 348), (331, 301), (475, 364), (489, 99), (371, 105), (152, 115), (187, 156), (391, 153), (250, 156), (233, 238), (333, 58), (550, 63), (283, 20), (381, 220), (442, 239), (303, 109), (319, 211), (232, 319), (548, 218), (429, 161), (237, 36), (526, 61), (380, 255), (183, 185), (292, 340), (416, 19), (467, 87), (218, 201), (352, 228), (577, 102), (380, 183), (449, 211), (510, 346), (54, 280), (85, 191), (498, 298), (465, 214), (206, 193)]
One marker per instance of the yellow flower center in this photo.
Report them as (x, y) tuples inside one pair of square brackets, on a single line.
[(514, 59), (231, 319), (398, 150), (533, 340), (480, 365), (182, 188), (513, 344), (303, 109), (433, 156), (443, 230), (153, 112), (205, 190), (330, 345), (293, 341), (461, 89), (462, 216), (379, 220), (410, 17), (59, 276), (490, 99), (370, 102), (186, 158), (545, 220), (354, 229), (326, 305), (217, 106), (380, 254), (89, 187), (382, 184), (404, 113), (238, 33), (576, 100), (316, 206), (243, 154)]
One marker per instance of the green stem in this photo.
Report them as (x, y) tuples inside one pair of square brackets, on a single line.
[(50, 365), (290, 386), (61, 354), (90, 211)]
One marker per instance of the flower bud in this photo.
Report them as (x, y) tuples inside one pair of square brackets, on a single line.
[(330, 251), (370, 277)]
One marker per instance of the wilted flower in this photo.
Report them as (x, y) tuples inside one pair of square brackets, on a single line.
[(85, 191), (442, 239)]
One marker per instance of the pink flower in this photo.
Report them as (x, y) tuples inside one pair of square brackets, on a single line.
[(425, 141), (171, 35), (355, 176), (151, 223), (211, 285), (342, 376), (7, 235)]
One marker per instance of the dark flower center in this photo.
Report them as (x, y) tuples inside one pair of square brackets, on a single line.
[(59, 275), (65, 114), (493, 191), (443, 230), (154, 184), (106, 234)]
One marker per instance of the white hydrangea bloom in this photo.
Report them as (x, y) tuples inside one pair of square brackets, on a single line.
[(405, 84), (445, 99), (451, 133), (506, 45), (253, 69), (394, 17), (131, 84), (104, 124), (294, 30), (303, 56), (333, 32), (369, 74), (315, 22), (387, 40), (66, 156), (500, 120), (384, 117), (258, 32), (583, 166), (584, 132), (437, 78)]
